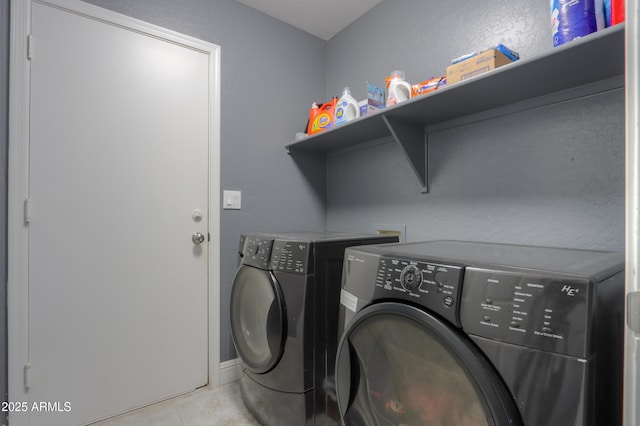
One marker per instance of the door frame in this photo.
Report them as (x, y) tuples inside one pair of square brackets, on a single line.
[(18, 185), (632, 214)]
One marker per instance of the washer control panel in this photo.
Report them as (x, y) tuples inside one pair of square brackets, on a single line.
[(291, 256), (541, 312), (433, 285), (257, 252)]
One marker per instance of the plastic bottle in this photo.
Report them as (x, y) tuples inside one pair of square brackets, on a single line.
[(323, 116), (617, 11), (571, 19), (313, 112), (347, 108), (399, 90)]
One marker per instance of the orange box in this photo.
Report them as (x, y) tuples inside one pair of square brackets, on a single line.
[(428, 86)]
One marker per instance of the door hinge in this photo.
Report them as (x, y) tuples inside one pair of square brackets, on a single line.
[(27, 379), (29, 47), (633, 311), (27, 211)]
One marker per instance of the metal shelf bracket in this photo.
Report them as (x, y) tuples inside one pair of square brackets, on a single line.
[(413, 141)]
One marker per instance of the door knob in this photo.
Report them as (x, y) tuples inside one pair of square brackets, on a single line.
[(197, 238)]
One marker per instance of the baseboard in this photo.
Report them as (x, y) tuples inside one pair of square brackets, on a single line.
[(229, 371)]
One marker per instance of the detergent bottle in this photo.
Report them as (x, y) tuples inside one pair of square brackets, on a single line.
[(347, 108), (313, 113), (322, 118), (399, 90)]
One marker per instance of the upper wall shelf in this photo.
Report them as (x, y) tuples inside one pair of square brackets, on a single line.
[(566, 69)]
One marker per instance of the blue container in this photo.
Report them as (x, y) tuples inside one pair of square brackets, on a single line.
[(571, 19)]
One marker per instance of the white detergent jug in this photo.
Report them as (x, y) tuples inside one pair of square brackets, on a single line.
[(399, 90), (347, 108)]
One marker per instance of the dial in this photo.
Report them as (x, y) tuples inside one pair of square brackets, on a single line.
[(411, 277), (253, 247)]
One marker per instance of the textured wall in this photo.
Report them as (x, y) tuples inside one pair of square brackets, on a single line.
[(269, 69), (552, 176), (421, 37)]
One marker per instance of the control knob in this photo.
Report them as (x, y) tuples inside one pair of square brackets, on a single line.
[(411, 277)]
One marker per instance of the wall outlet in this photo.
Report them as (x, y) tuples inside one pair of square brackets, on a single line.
[(231, 200)]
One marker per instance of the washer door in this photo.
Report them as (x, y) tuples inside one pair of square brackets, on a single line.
[(399, 365), (258, 318)]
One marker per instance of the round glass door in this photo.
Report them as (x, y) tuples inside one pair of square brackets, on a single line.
[(258, 318), (398, 365)]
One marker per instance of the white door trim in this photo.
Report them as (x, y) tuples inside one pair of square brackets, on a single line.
[(18, 188), (632, 308)]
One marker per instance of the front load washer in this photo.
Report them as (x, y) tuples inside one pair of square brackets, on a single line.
[(453, 333), (284, 323)]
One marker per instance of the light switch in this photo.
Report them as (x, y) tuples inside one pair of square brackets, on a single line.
[(231, 200)]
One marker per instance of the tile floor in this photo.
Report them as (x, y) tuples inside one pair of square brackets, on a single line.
[(221, 406)]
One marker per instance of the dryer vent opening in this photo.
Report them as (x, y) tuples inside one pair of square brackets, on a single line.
[(399, 231)]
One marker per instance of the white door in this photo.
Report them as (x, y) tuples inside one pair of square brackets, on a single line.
[(118, 185)]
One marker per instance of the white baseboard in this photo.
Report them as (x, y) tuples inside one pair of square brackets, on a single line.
[(229, 371)]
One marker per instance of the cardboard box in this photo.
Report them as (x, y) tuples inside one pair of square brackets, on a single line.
[(375, 100), (428, 86), (476, 65), (366, 107)]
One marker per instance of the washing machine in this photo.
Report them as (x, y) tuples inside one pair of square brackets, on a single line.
[(284, 323), (454, 333)]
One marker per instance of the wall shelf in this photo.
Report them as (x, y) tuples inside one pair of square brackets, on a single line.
[(585, 66)]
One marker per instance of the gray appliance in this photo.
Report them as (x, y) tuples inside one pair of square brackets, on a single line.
[(455, 333), (284, 323)]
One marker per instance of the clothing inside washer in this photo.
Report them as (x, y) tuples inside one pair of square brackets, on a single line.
[(408, 376)]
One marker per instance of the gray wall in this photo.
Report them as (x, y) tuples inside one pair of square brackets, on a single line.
[(553, 175), (421, 37)]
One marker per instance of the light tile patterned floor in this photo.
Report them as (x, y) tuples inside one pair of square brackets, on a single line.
[(221, 406)]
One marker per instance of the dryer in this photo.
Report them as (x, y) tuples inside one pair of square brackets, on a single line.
[(284, 323), (454, 333)]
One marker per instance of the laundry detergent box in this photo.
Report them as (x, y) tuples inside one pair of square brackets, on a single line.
[(428, 86), (375, 99), (479, 63)]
